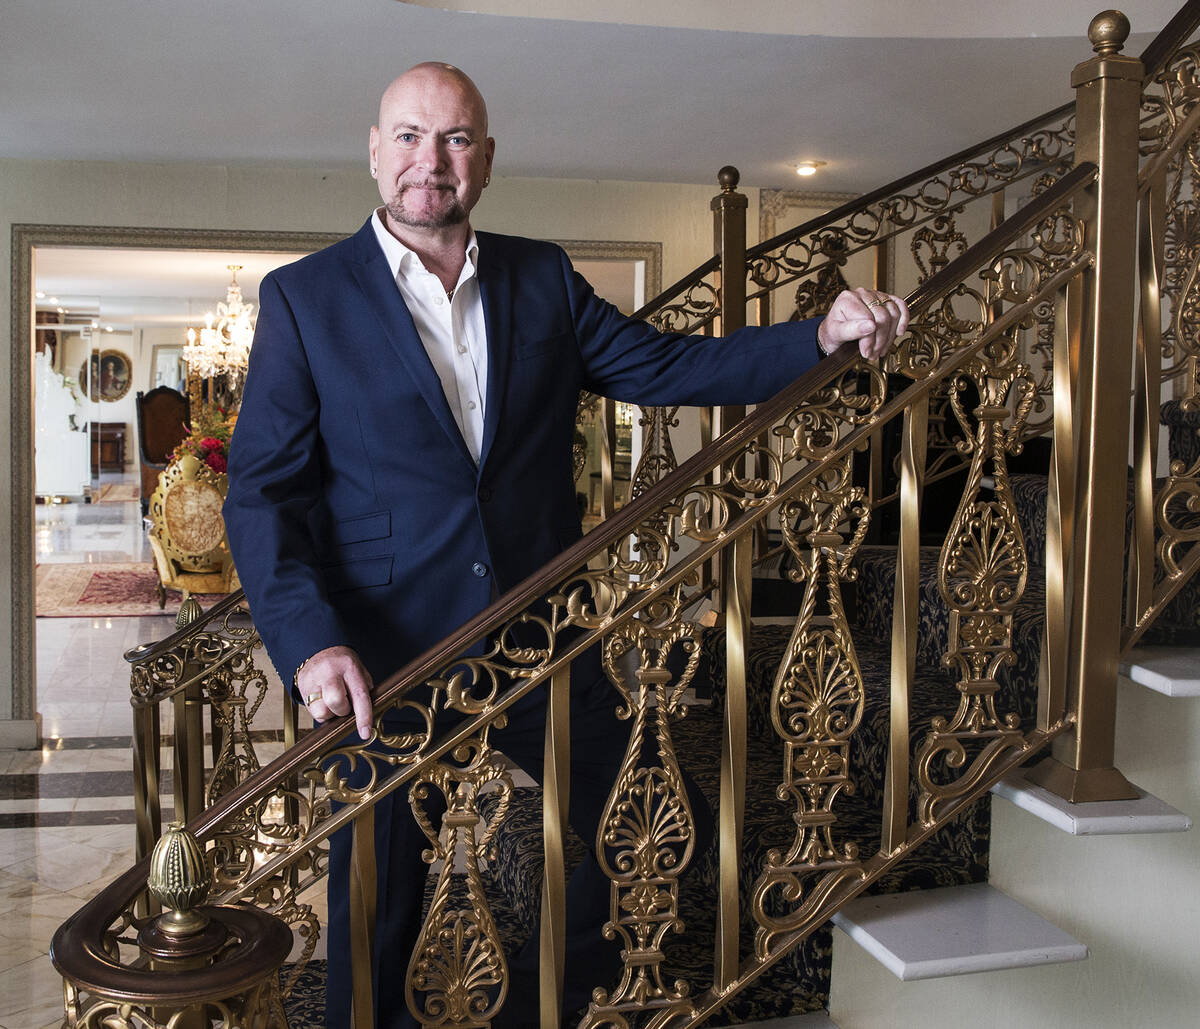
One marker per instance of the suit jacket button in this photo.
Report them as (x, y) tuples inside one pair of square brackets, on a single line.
[(485, 494), (480, 569)]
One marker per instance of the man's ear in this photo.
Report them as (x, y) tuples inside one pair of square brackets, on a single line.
[(489, 152)]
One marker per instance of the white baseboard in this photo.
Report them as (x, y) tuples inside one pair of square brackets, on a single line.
[(20, 734)]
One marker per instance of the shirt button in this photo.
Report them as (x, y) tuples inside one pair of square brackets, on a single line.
[(485, 494), (461, 349), (438, 300), (471, 405), (480, 569)]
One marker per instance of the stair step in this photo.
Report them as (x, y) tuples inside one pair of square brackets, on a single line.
[(1147, 814), (1173, 671), (954, 931)]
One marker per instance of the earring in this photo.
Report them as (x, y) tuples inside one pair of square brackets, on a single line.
[(372, 173), (487, 181)]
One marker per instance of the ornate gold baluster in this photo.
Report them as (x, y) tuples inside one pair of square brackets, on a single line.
[(816, 701), (457, 974), (232, 714), (647, 835), (981, 576), (656, 462)]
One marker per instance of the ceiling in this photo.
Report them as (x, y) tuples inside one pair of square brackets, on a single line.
[(639, 90), (635, 97), (125, 286)]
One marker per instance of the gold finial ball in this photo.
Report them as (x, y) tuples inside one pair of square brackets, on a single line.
[(189, 611), (1108, 32), (729, 177), (179, 877)]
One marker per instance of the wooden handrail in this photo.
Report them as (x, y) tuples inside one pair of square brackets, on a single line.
[(1171, 38)]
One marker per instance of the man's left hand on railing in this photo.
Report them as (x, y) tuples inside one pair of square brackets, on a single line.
[(873, 319), (335, 682)]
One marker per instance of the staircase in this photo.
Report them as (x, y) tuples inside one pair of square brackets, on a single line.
[(849, 755), (956, 855)]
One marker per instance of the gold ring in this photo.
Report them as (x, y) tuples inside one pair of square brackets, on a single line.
[(311, 697), (876, 302)]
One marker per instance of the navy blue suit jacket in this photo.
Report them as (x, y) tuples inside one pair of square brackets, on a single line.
[(355, 512)]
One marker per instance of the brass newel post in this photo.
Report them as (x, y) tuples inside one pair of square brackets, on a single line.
[(206, 962), (729, 237), (1108, 97)]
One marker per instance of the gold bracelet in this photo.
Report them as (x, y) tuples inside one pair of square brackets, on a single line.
[(299, 669)]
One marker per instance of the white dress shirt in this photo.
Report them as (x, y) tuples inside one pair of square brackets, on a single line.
[(451, 328)]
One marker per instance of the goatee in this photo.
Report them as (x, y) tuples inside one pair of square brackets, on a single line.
[(453, 214)]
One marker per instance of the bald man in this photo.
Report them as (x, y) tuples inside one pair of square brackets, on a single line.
[(403, 456)]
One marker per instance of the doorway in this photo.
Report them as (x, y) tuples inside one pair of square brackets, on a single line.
[(627, 272), (118, 278)]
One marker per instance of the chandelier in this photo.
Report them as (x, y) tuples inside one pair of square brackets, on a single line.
[(222, 347)]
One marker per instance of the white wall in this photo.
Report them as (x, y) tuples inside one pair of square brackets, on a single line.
[(1133, 900)]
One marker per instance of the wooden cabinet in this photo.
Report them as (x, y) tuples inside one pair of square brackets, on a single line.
[(108, 446)]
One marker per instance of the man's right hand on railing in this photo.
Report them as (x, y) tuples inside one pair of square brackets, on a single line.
[(334, 682), (869, 317)]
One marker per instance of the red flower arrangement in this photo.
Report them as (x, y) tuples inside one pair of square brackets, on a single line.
[(209, 438)]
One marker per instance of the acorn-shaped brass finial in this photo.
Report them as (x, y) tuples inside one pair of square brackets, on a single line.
[(179, 879), (189, 611), (1107, 32)]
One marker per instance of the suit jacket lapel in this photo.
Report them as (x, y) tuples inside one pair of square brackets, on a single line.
[(384, 301), (495, 288)]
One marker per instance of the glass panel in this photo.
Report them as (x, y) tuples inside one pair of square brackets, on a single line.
[(66, 363)]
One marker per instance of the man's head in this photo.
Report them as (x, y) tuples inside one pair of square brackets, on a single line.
[(430, 151)]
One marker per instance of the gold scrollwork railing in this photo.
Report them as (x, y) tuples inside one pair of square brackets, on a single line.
[(207, 665), (265, 836)]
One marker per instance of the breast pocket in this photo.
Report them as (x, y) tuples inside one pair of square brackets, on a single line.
[(361, 528)]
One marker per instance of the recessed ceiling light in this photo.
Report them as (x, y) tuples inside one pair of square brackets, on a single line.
[(40, 295), (809, 167), (54, 300), (108, 328)]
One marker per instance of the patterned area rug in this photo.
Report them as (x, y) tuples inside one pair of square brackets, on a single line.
[(118, 493), (103, 591)]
